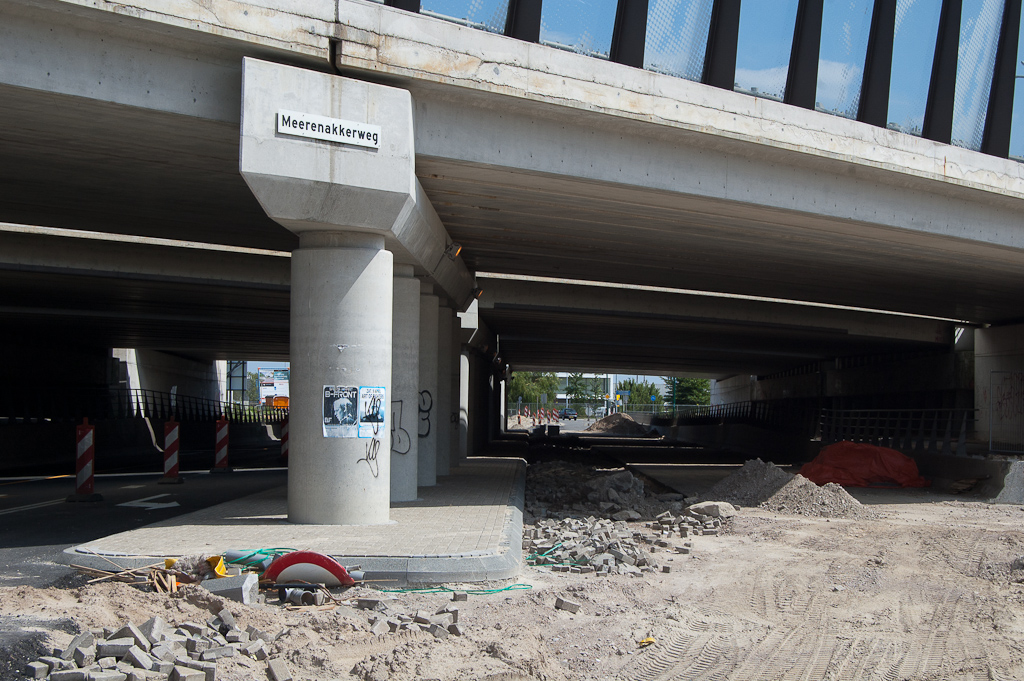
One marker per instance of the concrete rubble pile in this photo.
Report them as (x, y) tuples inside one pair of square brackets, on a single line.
[(562, 490), (606, 547), (157, 651), (440, 624)]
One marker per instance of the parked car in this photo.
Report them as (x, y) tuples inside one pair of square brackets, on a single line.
[(566, 414)]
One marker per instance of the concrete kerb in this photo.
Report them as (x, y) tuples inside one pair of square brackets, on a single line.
[(503, 562)]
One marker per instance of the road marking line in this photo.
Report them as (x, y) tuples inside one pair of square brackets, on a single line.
[(29, 507), (150, 505)]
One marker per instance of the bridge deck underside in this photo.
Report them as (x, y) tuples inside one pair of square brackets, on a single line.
[(77, 163), (534, 339)]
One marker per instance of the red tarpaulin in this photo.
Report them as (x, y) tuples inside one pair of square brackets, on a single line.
[(856, 464)]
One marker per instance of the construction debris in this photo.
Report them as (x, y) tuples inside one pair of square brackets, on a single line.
[(605, 547), (153, 651), (560, 489)]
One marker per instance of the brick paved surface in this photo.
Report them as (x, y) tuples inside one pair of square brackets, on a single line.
[(465, 513)]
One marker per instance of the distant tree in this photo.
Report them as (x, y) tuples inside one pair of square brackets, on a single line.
[(530, 385), (688, 390), (252, 387), (580, 389), (640, 392)]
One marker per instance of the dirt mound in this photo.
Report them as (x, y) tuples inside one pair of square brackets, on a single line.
[(753, 484), (758, 483), (618, 424), (801, 496)]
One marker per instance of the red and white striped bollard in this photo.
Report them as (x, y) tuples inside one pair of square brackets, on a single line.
[(85, 459), (220, 448), (171, 446)]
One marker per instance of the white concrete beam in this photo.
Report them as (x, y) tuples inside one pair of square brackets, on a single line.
[(313, 184)]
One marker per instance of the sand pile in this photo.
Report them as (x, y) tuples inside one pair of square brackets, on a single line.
[(618, 424), (758, 483)]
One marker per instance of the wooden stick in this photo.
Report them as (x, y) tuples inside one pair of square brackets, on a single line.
[(125, 573)]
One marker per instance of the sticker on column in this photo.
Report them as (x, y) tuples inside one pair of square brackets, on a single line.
[(340, 411), (371, 411)]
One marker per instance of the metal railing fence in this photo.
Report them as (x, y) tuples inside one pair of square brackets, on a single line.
[(933, 430), (73, 405)]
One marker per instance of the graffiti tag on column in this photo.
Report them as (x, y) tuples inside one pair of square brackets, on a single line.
[(372, 422), (400, 441), (372, 449), (426, 404)]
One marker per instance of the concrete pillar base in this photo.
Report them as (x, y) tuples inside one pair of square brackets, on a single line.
[(339, 417)]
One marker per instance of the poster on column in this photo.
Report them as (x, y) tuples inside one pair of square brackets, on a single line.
[(371, 410), (341, 409)]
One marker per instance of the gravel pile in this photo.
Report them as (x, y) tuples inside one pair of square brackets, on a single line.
[(751, 485), (758, 483), (800, 496)]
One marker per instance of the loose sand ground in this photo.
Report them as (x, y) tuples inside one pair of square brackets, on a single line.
[(921, 590)]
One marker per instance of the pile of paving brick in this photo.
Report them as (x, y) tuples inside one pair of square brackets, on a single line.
[(155, 651), (561, 490), (440, 625), (607, 547)]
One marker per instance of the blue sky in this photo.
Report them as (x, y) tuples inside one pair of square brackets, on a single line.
[(677, 34)]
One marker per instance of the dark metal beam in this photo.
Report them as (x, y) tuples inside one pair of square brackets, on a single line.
[(802, 81), (996, 140), (630, 34), (723, 37), (523, 20), (407, 5), (938, 115), (874, 88)]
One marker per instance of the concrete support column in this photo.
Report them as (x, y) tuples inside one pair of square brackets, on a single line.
[(443, 403), (428, 409), (341, 328), (460, 407), (465, 407), (405, 385)]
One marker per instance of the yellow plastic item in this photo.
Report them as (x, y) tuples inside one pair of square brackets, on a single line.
[(169, 563), (217, 563), (647, 641)]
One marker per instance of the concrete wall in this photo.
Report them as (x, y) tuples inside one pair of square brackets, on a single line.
[(997, 349), (733, 389), (162, 372)]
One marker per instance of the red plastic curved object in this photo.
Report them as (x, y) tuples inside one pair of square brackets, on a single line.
[(308, 566)]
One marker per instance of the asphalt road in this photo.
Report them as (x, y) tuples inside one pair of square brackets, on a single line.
[(37, 524)]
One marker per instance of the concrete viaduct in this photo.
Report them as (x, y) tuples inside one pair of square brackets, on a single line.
[(331, 181)]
